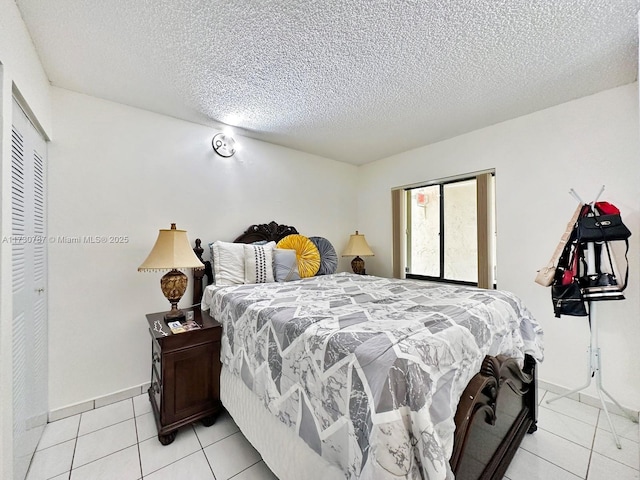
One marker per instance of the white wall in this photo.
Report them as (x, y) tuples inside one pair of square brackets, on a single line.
[(19, 67), (123, 171), (538, 157)]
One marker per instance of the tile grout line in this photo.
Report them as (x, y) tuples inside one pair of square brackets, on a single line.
[(213, 443), (77, 436), (106, 426), (75, 446), (102, 428), (596, 425), (571, 417), (591, 449), (245, 469), (551, 463), (204, 453), (176, 460), (102, 458), (135, 424), (593, 443), (567, 439)]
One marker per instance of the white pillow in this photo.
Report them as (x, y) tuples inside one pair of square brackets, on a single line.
[(228, 263), (258, 263)]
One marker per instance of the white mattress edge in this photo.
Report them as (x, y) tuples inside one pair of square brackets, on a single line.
[(284, 452)]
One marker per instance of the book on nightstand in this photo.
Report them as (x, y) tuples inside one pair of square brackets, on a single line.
[(181, 327)]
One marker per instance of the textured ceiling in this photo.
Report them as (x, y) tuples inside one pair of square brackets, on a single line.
[(351, 80)]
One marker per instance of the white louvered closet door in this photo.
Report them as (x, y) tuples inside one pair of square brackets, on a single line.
[(29, 262)]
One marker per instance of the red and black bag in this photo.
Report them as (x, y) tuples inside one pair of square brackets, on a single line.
[(566, 293), (601, 225)]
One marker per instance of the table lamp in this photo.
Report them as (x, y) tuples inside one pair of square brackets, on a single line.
[(357, 246), (172, 251)]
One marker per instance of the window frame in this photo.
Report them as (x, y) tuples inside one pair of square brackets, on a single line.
[(401, 205)]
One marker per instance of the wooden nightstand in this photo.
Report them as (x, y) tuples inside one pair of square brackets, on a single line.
[(185, 373)]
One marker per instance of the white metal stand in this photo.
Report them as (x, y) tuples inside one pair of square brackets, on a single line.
[(594, 358)]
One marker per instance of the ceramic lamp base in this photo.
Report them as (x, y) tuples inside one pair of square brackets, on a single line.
[(173, 285), (357, 264)]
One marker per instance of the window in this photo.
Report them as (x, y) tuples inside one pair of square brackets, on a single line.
[(450, 230)]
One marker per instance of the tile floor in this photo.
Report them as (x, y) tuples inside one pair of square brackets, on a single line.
[(119, 442)]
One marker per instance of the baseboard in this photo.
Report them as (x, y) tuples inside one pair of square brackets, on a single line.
[(98, 402), (587, 399)]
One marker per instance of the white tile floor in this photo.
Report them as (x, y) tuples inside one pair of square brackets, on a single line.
[(119, 441)]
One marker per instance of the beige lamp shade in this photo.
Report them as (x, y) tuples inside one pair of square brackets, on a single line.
[(172, 250), (357, 246)]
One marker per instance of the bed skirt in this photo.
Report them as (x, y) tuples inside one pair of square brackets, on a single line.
[(284, 452)]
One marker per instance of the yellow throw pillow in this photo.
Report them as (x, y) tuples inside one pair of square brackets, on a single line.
[(307, 254)]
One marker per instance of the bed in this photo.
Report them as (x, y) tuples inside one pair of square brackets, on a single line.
[(348, 376)]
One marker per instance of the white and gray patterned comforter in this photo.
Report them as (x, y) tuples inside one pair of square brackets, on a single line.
[(368, 371)]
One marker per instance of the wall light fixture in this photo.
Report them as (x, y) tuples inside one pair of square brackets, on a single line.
[(224, 145)]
